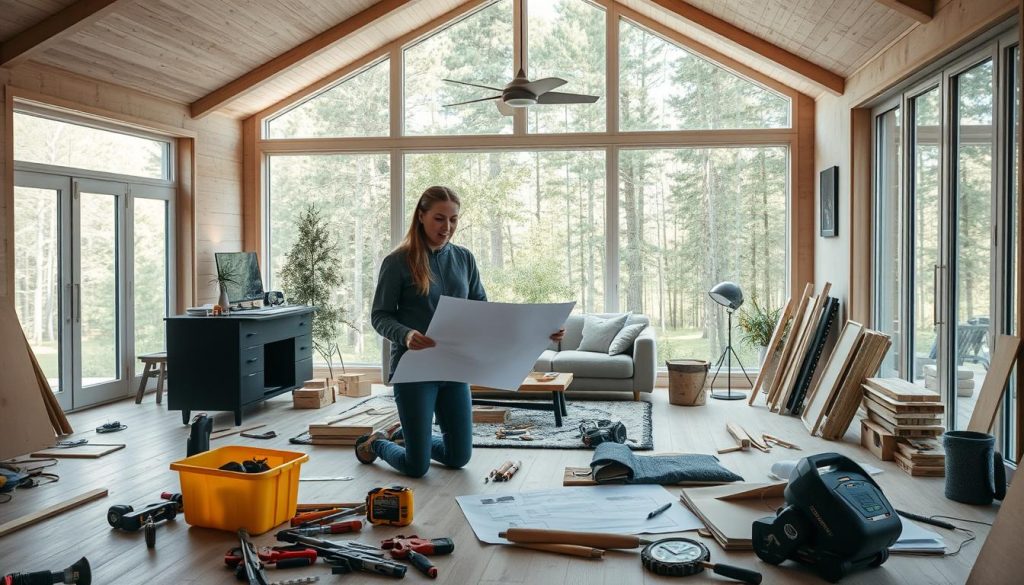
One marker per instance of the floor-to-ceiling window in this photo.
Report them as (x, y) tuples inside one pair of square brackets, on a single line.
[(944, 230), (678, 177), (92, 250)]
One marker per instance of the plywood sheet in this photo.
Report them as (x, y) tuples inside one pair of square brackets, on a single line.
[(823, 392), (771, 361), (87, 451), (991, 394), (23, 418)]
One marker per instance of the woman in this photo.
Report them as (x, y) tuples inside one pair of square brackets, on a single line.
[(412, 279)]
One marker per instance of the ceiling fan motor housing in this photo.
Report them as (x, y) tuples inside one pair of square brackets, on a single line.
[(517, 97)]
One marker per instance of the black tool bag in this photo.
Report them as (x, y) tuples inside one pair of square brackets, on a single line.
[(595, 432)]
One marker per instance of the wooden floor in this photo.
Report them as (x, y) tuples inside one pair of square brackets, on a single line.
[(156, 437)]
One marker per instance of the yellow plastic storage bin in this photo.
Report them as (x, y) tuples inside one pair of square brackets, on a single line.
[(230, 500)]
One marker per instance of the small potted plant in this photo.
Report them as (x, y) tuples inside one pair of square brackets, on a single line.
[(757, 324), (224, 277)]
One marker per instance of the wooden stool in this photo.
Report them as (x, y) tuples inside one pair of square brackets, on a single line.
[(152, 361)]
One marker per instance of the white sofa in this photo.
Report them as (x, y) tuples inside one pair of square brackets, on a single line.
[(633, 371)]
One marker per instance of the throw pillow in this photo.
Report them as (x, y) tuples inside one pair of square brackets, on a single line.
[(624, 338), (598, 332)]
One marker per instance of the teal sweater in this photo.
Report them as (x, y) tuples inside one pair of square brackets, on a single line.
[(398, 307)]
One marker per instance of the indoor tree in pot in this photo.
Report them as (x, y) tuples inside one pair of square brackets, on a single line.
[(758, 323), (312, 271)]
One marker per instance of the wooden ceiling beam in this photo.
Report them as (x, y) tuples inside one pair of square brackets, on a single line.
[(51, 29), (281, 63), (920, 10), (833, 82)]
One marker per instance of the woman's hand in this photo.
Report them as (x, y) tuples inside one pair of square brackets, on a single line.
[(558, 335), (416, 340)]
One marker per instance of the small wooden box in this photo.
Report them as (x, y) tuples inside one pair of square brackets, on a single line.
[(348, 385), (879, 441), (358, 389), (489, 414), (313, 397)]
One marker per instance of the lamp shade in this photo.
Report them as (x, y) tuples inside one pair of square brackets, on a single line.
[(727, 294)]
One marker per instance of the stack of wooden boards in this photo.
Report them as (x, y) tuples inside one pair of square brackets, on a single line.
[(902, 424), (315, 393), (348, 426)]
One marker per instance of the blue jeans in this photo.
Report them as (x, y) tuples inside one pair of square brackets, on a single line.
[(418, 403)]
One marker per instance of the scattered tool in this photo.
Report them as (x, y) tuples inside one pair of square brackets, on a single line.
[(250, 560), (282, 557), (199, 435), (520, 431), (174, 497), (681, 557), (111, 427), (307, 517), (345, 557), (505, 471), (335, 528), (77, 573), (769, 439), (360, 509), (391, 506), (326, 506), (593, 539), (126, 518), (414, 548), (266, 435), (339, 478), (68, 443)]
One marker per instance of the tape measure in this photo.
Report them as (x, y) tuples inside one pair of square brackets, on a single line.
[(390, 506), (682, 557)]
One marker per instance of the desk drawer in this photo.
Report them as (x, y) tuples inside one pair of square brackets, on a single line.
[(303, 347), (260, 331), (303, 371), (252, 359), (252, 387)]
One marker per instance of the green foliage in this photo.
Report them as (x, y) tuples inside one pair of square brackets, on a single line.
[(758, 324), (312, 270)]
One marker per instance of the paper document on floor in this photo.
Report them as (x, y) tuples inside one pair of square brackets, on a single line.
[(486, 344), (915, 539), (619, 509)]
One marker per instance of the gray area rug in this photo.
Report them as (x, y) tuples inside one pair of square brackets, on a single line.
[(636, 415)]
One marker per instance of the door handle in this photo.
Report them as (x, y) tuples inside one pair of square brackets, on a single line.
[(70, 314), (935, 286), (78, 303)]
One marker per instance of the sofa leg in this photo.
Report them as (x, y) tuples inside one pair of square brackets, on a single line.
[(636, 395)]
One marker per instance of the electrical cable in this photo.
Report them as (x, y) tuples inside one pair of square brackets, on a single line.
[(971, 536)]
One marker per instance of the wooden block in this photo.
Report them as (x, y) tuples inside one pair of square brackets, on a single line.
[(901, 390), (313, 398), (917, 470), (87, 451), (902, 430), (924, 451), (489, 414), (910, 418), (315, 383), (879, 441), (359, 389)]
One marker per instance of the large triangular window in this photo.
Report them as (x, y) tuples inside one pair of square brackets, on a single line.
[(663, 86), (356, 106)]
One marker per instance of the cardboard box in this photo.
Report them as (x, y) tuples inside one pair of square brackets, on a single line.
[(313, 397)]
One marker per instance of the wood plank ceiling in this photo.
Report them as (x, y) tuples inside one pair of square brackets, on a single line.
[(183, 50)]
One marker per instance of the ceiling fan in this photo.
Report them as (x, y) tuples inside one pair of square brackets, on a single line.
[(521, 92)]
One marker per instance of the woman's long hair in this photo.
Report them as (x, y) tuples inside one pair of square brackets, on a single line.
[(415, 243)]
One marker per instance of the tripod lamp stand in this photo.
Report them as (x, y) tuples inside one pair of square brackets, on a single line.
[(730, 296)]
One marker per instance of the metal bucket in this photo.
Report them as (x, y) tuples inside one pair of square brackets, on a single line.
[(686, 380)]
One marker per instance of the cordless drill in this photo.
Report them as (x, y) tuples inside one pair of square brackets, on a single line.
[(77, 573), (414, 547)]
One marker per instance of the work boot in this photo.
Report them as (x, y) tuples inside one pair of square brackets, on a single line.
[(394, 434), (364, 447)]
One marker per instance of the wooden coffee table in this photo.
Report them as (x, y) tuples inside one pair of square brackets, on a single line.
[(555, 386)]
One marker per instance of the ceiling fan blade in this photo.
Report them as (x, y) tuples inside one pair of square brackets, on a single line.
[(505, 109), (493, 97), (543, 85), (555, 97), (473, 84)]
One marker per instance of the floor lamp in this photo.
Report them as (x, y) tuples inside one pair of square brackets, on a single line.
[(730, 296)]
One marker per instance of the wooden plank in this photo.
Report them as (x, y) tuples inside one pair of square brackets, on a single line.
[(999, 559), (916, 469), (23, 417), (788, 345), (802, 348), (51, 511), (824, 392), (228, 432), (904, 407), (920, 10), (990, 397), (44, 34), (283, 62), (87, 451), (901, 390), (833, 82), (772, 358)]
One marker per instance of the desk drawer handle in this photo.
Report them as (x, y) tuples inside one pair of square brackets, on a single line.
[(251, 360), (303, 348), (302, 323), (251, 375), (252, 333)]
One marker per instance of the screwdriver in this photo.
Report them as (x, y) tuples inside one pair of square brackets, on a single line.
[(305, 517), (336, 528)]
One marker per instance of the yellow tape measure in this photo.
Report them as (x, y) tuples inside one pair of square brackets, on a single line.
[(390, 506)]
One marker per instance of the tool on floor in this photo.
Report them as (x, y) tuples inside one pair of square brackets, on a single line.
[(345, 557), (126, 518), (595, 432), (306, 517), (68, 443), (682, 557), (836, 519), (174, 497), (390, 506), (414, 548), (199, 435), (360, 509), (335, 528), (77, 573), (504, 472), (111, 427), (282, 557), (338, 478), (769, 440), (266, 435), (326, 506), (250, 560), (593, 539)]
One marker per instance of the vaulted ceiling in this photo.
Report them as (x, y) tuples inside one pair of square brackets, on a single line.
[(238, 57)]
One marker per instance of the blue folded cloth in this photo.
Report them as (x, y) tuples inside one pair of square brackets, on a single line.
[(616, 463)]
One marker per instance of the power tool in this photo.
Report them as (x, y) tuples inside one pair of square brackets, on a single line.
[(391, 506), (77, 573), (836, 519), (127, 518), (414, 547), (595, 432), (199, 435)]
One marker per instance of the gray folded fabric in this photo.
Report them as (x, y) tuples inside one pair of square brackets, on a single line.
[(616, 463)]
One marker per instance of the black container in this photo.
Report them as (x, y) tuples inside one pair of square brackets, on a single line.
[(974, 469)]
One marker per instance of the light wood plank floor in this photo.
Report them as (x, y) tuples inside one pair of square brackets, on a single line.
[(156, 437)]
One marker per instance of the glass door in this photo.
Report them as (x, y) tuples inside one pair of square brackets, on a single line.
[(101, 372)]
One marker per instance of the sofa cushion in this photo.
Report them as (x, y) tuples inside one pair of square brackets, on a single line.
[(543, 363), (623, 342), (598, 332), (589, 364)]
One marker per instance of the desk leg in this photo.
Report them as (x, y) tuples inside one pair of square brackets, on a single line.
[(238, 417), (185, 415), (561, 401), (557, 408)]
